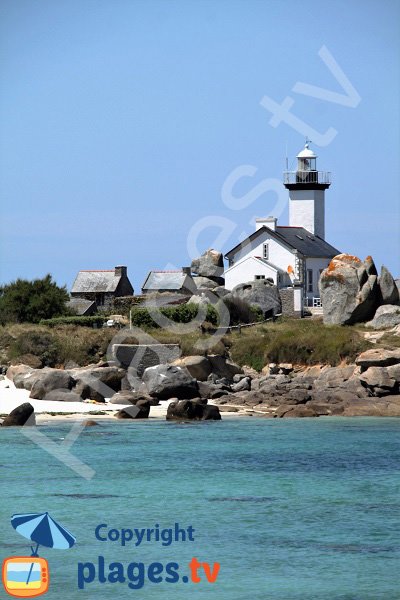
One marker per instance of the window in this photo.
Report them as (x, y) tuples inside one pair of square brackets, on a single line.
[(259, 276), (309, 280), (265, 251)]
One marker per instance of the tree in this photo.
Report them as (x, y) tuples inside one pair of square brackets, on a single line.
[(23, 301)]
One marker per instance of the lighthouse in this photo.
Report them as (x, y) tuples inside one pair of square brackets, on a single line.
[(307, 188)]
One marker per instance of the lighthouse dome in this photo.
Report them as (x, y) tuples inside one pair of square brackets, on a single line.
[(306, 152)]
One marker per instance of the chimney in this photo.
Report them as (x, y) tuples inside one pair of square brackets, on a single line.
[(269, 222), (120, 271)]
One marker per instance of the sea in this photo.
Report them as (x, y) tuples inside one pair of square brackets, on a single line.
[(240, 509)]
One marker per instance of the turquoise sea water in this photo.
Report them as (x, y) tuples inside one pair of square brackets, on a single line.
[(304, 509)]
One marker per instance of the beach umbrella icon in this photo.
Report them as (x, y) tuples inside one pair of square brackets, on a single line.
[(44, 531)]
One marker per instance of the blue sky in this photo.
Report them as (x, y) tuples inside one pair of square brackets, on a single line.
[(122, 120)]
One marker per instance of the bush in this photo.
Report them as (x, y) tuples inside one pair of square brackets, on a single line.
[(42, 345), (25, 301), (183, 313)]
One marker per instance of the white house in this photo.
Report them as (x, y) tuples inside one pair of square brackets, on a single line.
[(292, 255)]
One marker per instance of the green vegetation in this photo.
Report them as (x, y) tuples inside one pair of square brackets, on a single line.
[(96, 320), (305, 341), (302, 341), (56, 346), (183, 313), (25, 301)]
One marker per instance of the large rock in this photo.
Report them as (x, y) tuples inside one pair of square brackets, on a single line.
[(98, 383), (137, 357), (378, 357), (205, 283), (199, 367), (129, 398), (211, 265), (63, 395), (140, 410), (169, 381), (18, 370), (386, 317), (388, 288), (22, 415), (53, 380), (193, 410), (261, 293), (349, 290), (223, 368)]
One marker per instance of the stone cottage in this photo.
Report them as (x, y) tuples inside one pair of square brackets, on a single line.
[(102, 286)]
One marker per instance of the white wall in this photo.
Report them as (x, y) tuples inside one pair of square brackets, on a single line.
[(316, 264), (307, 209), (279, 255), (246, 270)]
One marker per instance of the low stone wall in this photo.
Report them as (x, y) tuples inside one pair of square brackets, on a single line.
[(141, 356), (287, 299)]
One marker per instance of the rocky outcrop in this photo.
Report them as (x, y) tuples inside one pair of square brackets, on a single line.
[(370, 387), (168, 381), (192, 410), (50, 381), (260, 293), (386, 317), (349, 290), (22, 415), (210, 265)]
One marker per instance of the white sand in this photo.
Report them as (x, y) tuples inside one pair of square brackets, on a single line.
[(11, 397)]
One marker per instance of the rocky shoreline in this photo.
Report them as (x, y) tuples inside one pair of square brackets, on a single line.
[(201, 388)]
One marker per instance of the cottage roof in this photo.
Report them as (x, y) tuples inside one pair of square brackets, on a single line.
[(297, 238), (96, 281), (81, 306), (165, 280)]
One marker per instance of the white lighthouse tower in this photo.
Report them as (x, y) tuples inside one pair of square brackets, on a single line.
[(307, 188)]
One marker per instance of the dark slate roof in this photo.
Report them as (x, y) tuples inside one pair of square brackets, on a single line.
[(95, 281), (80, 306), (165, 280), (307, 243), (296, 238)]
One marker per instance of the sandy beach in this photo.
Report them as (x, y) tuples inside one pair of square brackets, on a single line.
[(11, 397), (46, 410)]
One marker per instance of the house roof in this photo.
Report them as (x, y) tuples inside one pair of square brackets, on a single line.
[(297, 238), (165, 280), (80, 305), (96, 281), (307, 243)]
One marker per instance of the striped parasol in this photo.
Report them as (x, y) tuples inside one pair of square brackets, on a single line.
[(43, 530)]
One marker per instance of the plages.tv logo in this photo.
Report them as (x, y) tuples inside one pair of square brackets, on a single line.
[(29, 576)]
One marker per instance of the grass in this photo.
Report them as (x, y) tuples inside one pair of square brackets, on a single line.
[(302, 341), (298, 341), (55, 346)]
